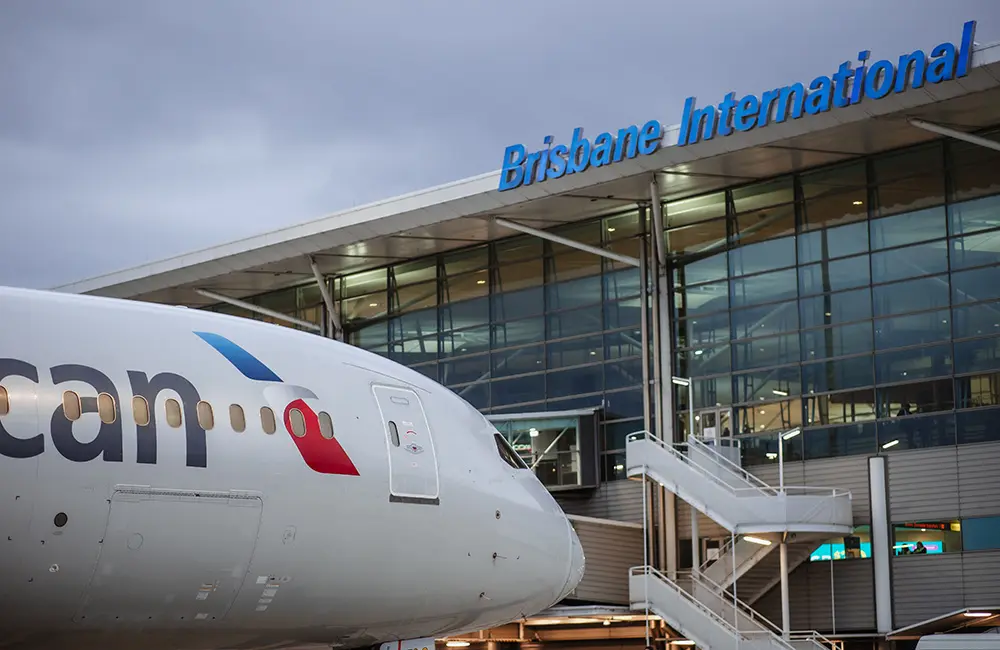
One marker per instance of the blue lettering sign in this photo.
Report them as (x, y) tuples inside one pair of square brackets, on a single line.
[(845, 87)]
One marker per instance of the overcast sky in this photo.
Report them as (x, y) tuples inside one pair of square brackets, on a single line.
[(133, 130)]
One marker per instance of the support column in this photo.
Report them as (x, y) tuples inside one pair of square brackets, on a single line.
[(669, 535), (786, 625), (881, 541), (695, 542), (335, 330)]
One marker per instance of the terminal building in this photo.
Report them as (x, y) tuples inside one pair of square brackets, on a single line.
[(756, 356)]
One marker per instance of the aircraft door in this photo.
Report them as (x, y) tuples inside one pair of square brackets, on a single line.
[(413, 471)]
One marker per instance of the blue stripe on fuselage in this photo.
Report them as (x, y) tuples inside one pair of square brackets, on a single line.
[(249, 365)]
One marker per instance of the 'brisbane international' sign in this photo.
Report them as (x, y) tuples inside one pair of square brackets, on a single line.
[(847, 86)]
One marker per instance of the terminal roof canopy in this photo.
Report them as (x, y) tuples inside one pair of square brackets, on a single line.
[(461, 214)]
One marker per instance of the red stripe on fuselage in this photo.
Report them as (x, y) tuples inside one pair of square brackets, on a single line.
[(322, 455)]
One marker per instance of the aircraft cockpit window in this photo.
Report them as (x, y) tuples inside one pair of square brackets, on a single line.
[(267, 420), (508, 454), (325, 425), (4, 401), (393, 433), (173, 412), (206, 418), (237, 418), (140, 410), (106, 408), (72, 408), (298, 422)]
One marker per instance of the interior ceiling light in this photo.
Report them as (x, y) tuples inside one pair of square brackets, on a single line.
[(757, 540)]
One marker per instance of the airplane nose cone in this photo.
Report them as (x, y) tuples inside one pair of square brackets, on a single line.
[(577, 563)]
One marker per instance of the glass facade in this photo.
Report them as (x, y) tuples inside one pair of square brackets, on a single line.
[(860, 302)]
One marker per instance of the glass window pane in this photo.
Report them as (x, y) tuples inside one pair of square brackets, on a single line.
[(973, 216), (528, 330), (975, 250), (980, 533), (518, 361), (762, 195), (834, 276), (910, 179), (622, 404), (572, 265), (370, 337), (845, 440), (834, 179), (616, 433), (575, 351), (716, 391), (906, 365), (623, 313), (772, 416), (834, 308), (840, 408), (762, 256), (975, 285), (707, 269), (977, 356), (909, 228), (575, 293), (478, 395), (901, 263), (514, 391), (978, 426), (413, 325), (464, 287), (768, 287), (978, 391), (577, 321), (763, 449), (415, 350), (704, 361), (576, 381), (841, 374), (974, 169), (418, 296), (465, 313), (902, 400), (465, 369), (913, 295), (415, 272), (627, 343), (465, 261), (623, 374), (704, 330), (695, 210), (761, 321), (769, 351), (702, 299), (519, 264), (770, 384), (518, 304), (622, 226), (916, 432), (976, 320), (831, 243), (467, 341), (916, 329), (366, 282), (836, 341), (622, 284), (363, 308), (764, 225)]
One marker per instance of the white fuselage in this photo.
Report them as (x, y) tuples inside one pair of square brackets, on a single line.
[(122, 530)]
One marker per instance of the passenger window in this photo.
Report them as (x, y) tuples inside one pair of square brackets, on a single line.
[(206, 418), (72, 408), (106, 408), (298, 422), (237, 419), (140, 410), (267, 420), (325, 425), (173, 413), (4, 401), (394, 433)]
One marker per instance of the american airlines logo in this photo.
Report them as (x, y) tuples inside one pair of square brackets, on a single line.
[(322, 453)]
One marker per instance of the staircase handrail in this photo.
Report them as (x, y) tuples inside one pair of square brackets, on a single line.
[(728, 464), (815, 637), (725, 548), (758, 487), (742, 607)]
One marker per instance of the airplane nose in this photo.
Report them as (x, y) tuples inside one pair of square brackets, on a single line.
[(577, 563)]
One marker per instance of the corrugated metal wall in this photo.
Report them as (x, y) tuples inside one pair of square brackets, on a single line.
[(926, 586), (810, 600), (945, 483), (620, 500), (611, 549), (706, 527), (979, 480)]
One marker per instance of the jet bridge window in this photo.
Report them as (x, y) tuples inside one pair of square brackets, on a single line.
[(106, 408), (508, 454), (72, 408), (237, 418), (206, 417), (267, 420), (4, 401)]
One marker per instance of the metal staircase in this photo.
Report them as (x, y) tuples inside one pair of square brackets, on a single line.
[(702, 604)]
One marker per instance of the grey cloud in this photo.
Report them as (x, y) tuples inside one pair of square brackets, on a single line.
[(134, 130)]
